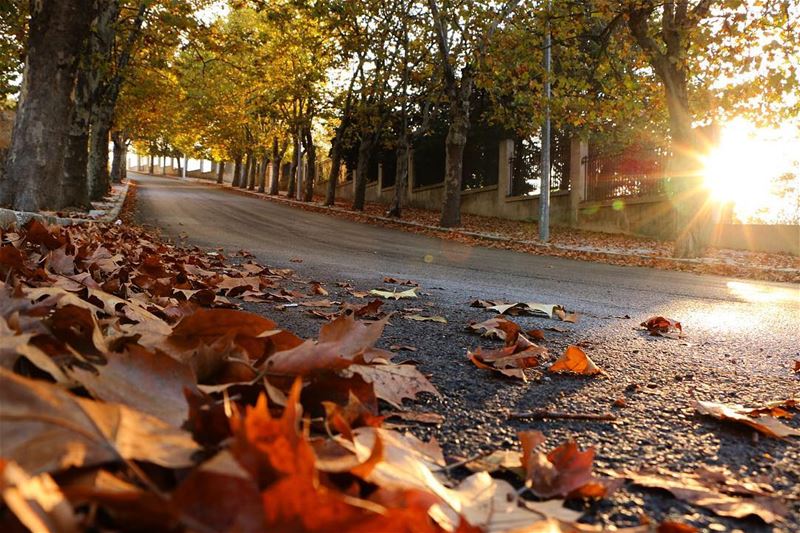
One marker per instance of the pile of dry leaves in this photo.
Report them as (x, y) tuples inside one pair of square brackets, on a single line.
[(135, 395)]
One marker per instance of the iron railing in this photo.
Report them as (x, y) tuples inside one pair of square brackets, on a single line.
[(626, 175)]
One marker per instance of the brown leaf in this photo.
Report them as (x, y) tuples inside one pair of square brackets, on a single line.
[(316, 288), (149, 381), (46, 429), (562, 472), (698, 489), (36, 501), (661, 326), (500, 328), (341, 343), (765, 424), (394, 383), (414, 416), (576, 361)]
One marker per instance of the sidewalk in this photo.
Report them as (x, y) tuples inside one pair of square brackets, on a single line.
[(571, 243), (105, 210)]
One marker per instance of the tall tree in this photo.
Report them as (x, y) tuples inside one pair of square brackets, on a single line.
[(462, 38)]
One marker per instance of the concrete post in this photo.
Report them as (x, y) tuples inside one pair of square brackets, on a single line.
[(578, 160), (505, 169), (185, 163)]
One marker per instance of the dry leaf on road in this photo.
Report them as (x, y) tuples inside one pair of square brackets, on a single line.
[(575, 361), (763, 423)]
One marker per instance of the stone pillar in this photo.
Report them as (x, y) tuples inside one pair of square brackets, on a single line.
[(505, 169), (578, 160)]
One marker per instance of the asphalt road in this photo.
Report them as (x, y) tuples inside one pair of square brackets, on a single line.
[(741, 340)]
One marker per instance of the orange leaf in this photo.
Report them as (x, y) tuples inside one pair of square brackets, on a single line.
[(576, 361)]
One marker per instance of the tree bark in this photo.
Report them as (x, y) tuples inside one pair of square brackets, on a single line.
[(74, 181), (400, 181), (220, 171), (251, 182), (311, 174), (99, 178), (237, 171), (274, 183), (262, 178), (117, 162), (690, 199), (32, 178), (152, 165), (459, 100), (362, 170), (336, 167), (246, 173)]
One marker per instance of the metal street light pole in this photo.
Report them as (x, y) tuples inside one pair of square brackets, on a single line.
[(544, 190)]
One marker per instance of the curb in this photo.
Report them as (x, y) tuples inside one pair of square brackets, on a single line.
[(10, 217), (483, 236)]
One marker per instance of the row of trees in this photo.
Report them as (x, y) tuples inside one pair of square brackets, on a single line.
[(255, 82)]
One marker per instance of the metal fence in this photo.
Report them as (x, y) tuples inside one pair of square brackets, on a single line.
[(629, 174)]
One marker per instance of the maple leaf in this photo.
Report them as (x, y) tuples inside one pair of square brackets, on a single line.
[(763, 423), (575, 361), (564, 471)]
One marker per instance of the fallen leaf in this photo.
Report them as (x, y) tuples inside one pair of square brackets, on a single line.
[(421, 318), (661, 326), (149, 381), (705, 491), (316, 288), (498, 327), (510, 360), (765, 424), (402, 347), (394, 383), (36, 501), (46, 429), (576, 361), (410, 293)]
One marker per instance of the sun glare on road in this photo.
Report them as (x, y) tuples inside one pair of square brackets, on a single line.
[(763, 293), (743, 168)]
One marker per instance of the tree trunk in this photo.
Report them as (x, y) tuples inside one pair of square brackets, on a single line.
[(691, 201), (262, 178), (74, 181), (117, 162), (336, 167), (362, 171), (180, 167), (124, 169), (311, 174), (454, 160), (57, 29), (152, 165), (237, 171), (276, 169), (251, 182), (99, 179), (296, 159), (400, 181), (220, 171), (246, 173)]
